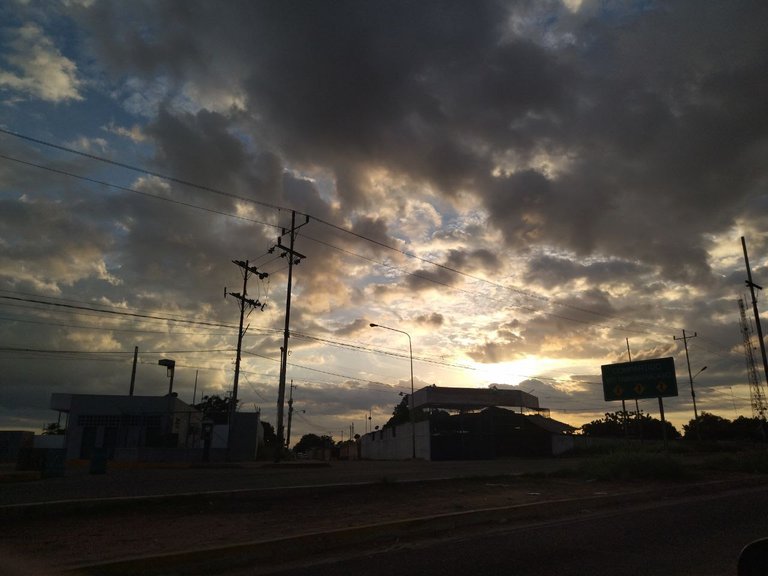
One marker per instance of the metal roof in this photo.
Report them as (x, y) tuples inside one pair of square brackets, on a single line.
[(468, 398)]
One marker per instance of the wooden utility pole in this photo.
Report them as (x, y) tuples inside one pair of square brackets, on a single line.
[(293, 258), (290, 416), (244, 301), (685, 339)]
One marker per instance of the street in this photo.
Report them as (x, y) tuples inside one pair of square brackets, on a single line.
[(698, 536)]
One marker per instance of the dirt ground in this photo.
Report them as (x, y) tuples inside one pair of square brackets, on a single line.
[(98, 535), (36, 543)]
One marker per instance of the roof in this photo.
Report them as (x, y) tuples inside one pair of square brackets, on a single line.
[(466, 398), (550, 425), (113, 403)]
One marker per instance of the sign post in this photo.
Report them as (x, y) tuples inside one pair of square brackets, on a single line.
[(653, 378)]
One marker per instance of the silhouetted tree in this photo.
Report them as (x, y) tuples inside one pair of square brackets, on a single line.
[(713, 427), (270, 441), (311, 441), (402, 413), (612, 425), (744, 428), (215, 408), (270, 437), (53, 429)]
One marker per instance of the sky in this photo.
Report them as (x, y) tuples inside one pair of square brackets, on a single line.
[(528, 190)]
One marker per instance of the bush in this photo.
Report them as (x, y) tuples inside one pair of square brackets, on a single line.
[(753, 462), (635, 466)]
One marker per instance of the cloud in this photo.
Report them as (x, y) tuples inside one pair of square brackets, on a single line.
[(37, 67), (595, 163)]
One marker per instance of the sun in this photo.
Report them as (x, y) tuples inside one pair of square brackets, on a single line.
[(516, 371)]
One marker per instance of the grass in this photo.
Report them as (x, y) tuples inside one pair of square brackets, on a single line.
[(630, 465), (751, 461)]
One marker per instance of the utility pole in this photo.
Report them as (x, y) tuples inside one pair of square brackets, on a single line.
[(244, 301), (133, 370), (290, 415), (637, 404), (758, 327), (293, 258), (685, 339)]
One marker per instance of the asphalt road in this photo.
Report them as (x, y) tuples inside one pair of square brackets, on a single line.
[(699, 536)]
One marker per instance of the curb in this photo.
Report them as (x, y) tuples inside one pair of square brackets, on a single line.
[(56, 507), (269, 553)]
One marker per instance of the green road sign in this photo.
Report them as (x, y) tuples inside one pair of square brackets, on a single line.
[(642, 379)]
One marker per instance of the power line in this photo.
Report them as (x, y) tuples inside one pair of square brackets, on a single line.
[(119, 313), (519, 291), (99, 352), (139, 170), (108, 328), (133, 190)]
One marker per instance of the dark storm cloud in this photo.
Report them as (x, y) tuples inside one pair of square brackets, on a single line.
[(204, 148), (470, 261), (430, 279), (625, 135), (433, 320), (199, 145), (551, 271), (656, 113), (659, 111), (376, 229)]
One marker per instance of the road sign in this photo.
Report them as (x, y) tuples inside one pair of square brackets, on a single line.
[(642, 379)]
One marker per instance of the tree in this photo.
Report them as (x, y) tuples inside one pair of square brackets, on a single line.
[(402, 413), (270, 437), (744, 428), (612, 425), (711, 427), (312, 441), (270, 441), (53, 429), (215, 408)]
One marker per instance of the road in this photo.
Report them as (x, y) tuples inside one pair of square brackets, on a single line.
[(699, 536)]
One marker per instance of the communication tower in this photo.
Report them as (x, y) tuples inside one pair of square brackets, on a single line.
[(756, 396)]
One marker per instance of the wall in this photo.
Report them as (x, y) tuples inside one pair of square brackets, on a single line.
[(395, 443), (121, 424), (12, 441)]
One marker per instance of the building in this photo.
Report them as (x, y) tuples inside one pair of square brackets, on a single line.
[(152, 429), (128, 427), (472, 423)]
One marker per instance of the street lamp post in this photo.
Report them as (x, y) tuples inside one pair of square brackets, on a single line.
[(693, 397), (170, 366), (412, 411)]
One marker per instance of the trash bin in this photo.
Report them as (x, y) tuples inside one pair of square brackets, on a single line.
[(99, 461)]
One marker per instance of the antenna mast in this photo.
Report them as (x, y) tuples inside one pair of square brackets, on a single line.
[(756, 397)]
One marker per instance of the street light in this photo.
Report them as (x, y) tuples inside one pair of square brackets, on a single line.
[(170, 369), (412, 412), (693, 397)]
